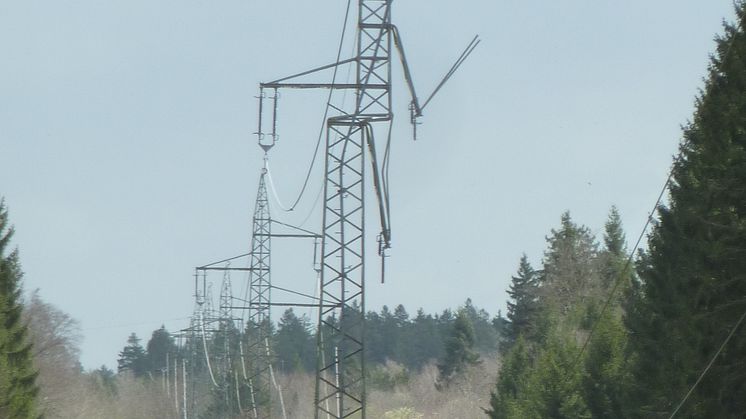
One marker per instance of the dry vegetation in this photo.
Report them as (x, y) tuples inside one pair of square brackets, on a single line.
[(66, 391), (69, 392), (414, 398)]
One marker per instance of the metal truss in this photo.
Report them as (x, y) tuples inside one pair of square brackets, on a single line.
[(340, 383), (258, 328)]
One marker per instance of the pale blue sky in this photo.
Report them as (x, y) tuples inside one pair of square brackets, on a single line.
[(126, 154)]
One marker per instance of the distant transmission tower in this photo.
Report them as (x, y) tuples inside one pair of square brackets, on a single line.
[(340, 384), (258, 329)]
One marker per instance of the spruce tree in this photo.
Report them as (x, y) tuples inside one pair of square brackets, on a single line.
[(693, 277), (570, 275), (133, 357), (294, 344), (160, 347), (606, 369), (459, 350), (18, 389), (540, 386), (511, 384), (614, 255), (523, 293), (614, 239)]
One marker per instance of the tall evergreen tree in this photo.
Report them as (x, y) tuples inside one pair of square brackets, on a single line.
[(485, 334), (160, 346), (294, 345), (523, 304), (133, 358), (512, 383), (606, 369), (18, 389), (555, 388), (426, 342), (614, 255), (542, 386), (459, 350), (693, 277), (570, 275)]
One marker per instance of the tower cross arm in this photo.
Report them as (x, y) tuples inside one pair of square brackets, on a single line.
[(283, 82)]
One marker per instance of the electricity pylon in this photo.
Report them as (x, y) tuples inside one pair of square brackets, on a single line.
[(258, 329), (254, 359), (340, 384), (340, 376)]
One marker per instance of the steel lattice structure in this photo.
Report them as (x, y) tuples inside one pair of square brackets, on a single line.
[(235, 352), (340, 384), (341, 377), (350, 137), (258, 329)]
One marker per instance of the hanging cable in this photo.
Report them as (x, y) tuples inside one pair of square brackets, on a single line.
[(204, 344), (238, 394), (622, 275), (326, 113), (631, 255), (707, 368), (321, 187), (274, 191), (274, 382), (253, 399), (313, 207), (243, 361)]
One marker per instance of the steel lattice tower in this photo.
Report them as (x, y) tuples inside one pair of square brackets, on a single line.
[(340, 379), (258, 329), (226, 327), (340, 384)]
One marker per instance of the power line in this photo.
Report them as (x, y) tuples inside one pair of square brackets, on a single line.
[(632, 253), (622, 274), (323, 123), (707, 368), (119, 326)]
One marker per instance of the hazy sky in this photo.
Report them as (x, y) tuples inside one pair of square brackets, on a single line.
[(126, 154)]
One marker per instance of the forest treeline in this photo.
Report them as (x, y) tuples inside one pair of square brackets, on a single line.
[(390, 336), (409, 343), (592, 330)]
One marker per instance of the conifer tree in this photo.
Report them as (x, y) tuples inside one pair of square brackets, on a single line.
[(133, 357), (614, 240), (426, 341), (606, 369), (511, 384), (555, 388), (160, 346), (570, 275), (614, 255), (18, 389), (523, 292), (459, 352), (542, 386), (693, 277), (294, 344)]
